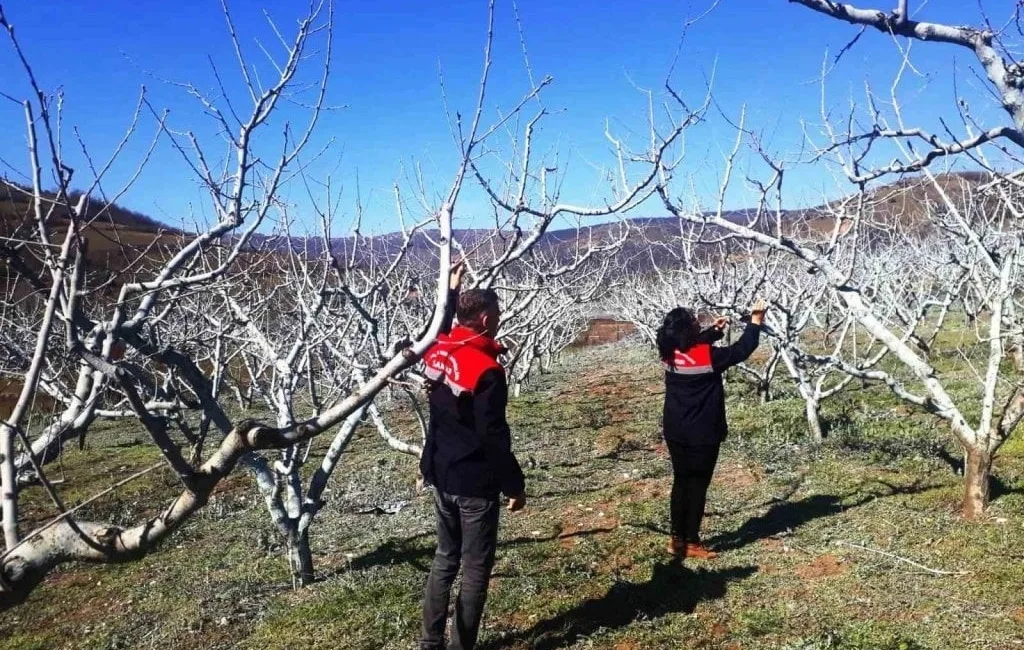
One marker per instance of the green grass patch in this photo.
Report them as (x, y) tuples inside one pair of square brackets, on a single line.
[(853, 545)]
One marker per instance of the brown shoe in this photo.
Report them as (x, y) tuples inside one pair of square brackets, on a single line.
[(677, 546), (699, 552)]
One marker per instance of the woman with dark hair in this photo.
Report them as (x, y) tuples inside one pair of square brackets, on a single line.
[(694, 422)]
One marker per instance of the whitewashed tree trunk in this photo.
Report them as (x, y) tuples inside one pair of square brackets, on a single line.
[(814, 424), (977, 478)]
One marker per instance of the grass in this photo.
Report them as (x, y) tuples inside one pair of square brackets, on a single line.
[(809, 540)]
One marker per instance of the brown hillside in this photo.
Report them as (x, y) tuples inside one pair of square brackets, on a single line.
[(16, 205), (120, 240), (899, 207), (117, 239)]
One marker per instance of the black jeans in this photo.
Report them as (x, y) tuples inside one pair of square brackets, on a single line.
[(692, 467), (467, 534)]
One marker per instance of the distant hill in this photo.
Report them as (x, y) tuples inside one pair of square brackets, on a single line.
[(903, 205), (16, 205), (118, 236)]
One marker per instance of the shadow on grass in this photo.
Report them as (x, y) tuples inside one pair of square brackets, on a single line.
[(955, 463), (790, 515), (672, 588), (788, 491), (997, 487), (418, 550), (781, 517), (574, 490)]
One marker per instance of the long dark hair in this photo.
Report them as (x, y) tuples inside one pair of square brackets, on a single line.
[(679, 331)]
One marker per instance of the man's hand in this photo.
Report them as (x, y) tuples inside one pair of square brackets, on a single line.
[(455, 276), (757, 312), (720, 323), (515, 504)]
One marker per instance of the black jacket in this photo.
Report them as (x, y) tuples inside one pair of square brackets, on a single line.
[(468, 450), (695, 400)]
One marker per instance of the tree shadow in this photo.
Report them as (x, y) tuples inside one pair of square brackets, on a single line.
[(955, 463), (789, 490), (569, 491), (997, 487), (396, 551), (672, 588), (419, 555), (781, 517)]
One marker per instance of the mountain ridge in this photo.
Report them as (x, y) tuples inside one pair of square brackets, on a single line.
[(116, 234)]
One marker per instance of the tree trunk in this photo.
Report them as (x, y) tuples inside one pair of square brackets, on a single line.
[(1017, 353), (764, 391), (300, 558), (977, 471), (814, 425), (8, 488)]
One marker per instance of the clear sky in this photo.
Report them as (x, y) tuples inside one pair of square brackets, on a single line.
[(766, 56)]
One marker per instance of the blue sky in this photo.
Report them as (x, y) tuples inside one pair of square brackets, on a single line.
[(766, 56)]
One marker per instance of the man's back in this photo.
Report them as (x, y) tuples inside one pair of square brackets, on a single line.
[(468, 459), (468, 451)]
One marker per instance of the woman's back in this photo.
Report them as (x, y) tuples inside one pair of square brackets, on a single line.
[(694, 422), (694, 411)]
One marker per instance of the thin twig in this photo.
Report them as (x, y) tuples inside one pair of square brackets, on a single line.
[(937, 572)]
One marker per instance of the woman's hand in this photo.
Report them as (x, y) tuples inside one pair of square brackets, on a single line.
[(720, 323), (757, 312)]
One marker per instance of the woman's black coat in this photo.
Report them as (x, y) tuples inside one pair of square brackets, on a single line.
[(694, 396)]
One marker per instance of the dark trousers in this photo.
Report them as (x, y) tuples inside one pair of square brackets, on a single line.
[(692, 467), (467, 534)]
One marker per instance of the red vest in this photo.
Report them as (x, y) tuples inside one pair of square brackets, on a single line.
[(695, 361), (460, 358)]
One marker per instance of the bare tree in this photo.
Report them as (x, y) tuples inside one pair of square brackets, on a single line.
[(312, 332), (834, 248), (108, 339)]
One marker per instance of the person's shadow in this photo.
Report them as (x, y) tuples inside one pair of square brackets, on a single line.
[(786, 516), (672, 588), (781, 517)]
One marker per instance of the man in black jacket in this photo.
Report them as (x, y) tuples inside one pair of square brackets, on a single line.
[(694, 421), (468, 459)]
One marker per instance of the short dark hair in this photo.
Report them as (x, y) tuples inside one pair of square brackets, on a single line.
[(473, 304)]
